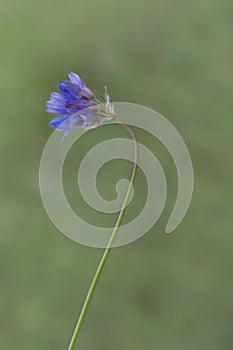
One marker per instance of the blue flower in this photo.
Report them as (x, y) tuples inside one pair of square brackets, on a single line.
[(72, 97), (77, 106)]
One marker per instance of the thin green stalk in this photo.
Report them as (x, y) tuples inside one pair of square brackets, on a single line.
[(110, 242)]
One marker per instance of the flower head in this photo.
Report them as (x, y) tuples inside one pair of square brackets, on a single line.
[(77, 106)]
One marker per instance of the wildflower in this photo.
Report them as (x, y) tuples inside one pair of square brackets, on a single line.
[(77, 106)]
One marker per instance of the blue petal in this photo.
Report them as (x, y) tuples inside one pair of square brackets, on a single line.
[(55, 96), (56, 99), (55, 110), (57, 123), (87, 93), (56, 104), (77, 105), (69, 90), (75, 79)]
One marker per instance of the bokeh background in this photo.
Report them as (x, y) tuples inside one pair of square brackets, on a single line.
[(161, 292)]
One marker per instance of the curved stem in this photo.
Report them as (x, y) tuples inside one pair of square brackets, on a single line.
[(110, 242)]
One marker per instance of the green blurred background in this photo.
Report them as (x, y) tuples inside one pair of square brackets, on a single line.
[(161, 292)]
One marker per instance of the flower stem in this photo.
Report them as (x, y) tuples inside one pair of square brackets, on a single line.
[(110, 242)]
